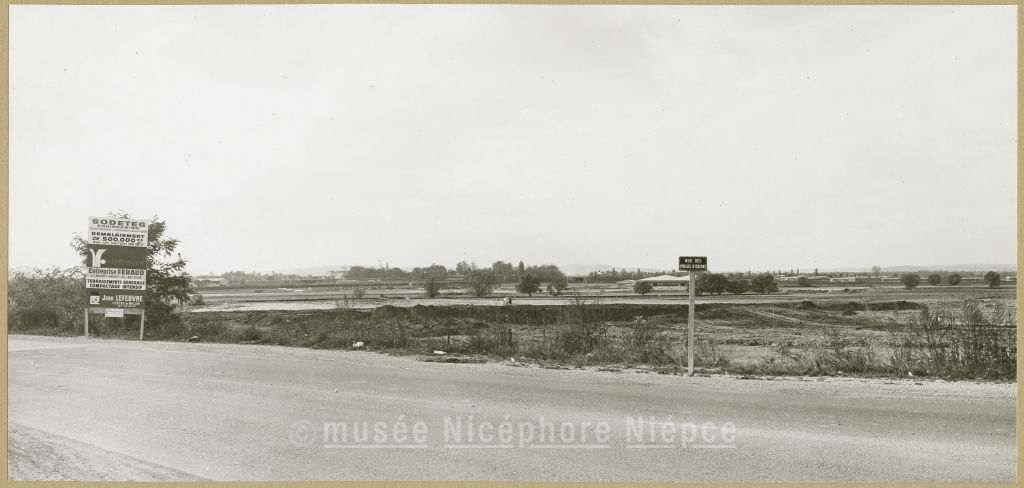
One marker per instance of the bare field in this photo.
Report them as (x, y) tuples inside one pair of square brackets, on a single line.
[(293, 298)]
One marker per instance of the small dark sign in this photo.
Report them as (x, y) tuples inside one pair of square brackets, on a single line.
[(695, 263)]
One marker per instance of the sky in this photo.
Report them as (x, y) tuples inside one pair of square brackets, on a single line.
[(272, 137)]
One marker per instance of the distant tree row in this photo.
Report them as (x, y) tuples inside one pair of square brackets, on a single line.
[(615, 275), (910, 281), (717, 283)]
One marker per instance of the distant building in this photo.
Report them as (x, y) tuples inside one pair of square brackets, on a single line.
[(667, 280), (626, 282), (846, 279), (210, 281)]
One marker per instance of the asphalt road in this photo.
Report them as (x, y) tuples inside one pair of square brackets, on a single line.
[(241, 412)]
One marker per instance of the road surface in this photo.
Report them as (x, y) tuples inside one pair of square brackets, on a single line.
[(110, 409)]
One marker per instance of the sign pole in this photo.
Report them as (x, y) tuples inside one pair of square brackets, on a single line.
[(689, 334), (86, 321), (142, 324)]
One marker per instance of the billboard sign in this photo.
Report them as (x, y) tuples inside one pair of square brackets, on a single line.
[(116, 281), (118, 232), (693, 263), (115, 299), (105, 256)]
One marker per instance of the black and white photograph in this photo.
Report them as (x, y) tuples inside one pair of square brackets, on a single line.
[(511, 242)]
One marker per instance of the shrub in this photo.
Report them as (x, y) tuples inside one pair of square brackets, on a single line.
[(953, 279), (966, 343), (432, 286), (643, 287), (934, 280), (647, 343), (910, 281), (52, 300), (803, 281), (529, 284), (764, 283), (992, 278)]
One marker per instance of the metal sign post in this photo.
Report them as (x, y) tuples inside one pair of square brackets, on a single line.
[(691, 264), (689, 332)]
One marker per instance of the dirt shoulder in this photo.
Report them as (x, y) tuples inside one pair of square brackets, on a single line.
[(39, 456)]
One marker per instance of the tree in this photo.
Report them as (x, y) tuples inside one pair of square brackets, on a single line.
[(764, 283), (432, 286), (643, 287), (556, 287), (710, 283), (992, 278), (910, 281), (934, 279), (876, 270), (529, 284), (953, 279), (803, 281), (166, 279), (737, 287), (481, 282)]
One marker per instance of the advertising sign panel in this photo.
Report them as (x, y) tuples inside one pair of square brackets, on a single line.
[(106, 256), (118, 232), (115, 299)]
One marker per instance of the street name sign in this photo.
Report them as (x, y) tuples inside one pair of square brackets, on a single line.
[(693, 263)]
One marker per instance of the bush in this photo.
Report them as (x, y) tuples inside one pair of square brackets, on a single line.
[(934, 280), (481, 282), (953, 279), (529, 284), (558, 286), (910, 281), (962, 344), (432, 286), (643, 287), (52, 301), (803, 281), (992, 278), (737, 286), (647, 343), (764, 283)]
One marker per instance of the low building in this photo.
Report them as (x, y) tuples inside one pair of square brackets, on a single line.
[(844, 279), (626, 282), (667, 280), (210, 281)]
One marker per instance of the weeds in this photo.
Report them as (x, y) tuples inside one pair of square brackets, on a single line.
[(966, 343)]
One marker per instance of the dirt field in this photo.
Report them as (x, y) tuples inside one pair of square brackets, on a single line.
[(327, 298)]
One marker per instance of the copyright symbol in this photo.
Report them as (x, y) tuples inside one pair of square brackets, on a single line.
[(301, 433)]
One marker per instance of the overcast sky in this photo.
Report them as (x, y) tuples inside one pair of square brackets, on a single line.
[(272, 137)]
